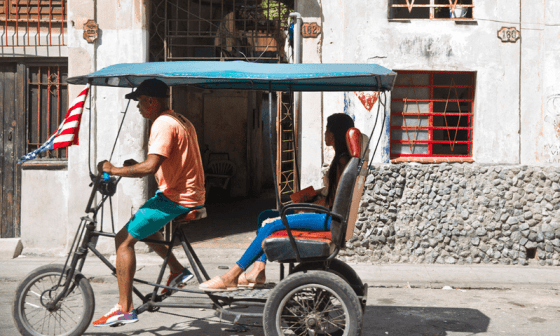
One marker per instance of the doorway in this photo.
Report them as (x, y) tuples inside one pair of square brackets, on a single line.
[(33, 101), (12, 139)]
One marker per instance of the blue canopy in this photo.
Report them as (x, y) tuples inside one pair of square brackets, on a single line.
[(247, 76)]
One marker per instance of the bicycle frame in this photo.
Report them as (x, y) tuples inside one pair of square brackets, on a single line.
[(86, 240)]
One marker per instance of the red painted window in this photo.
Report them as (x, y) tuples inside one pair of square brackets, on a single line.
[(456, 10), (432, 114)]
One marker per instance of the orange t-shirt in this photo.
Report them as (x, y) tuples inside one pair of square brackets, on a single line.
[(180, 177)]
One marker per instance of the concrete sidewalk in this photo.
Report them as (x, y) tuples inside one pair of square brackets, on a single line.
[(216, 260)]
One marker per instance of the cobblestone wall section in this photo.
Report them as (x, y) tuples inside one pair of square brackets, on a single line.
[(458, 214)]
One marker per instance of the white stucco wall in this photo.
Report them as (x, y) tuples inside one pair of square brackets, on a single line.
[(44, 199), (550, 108), (517, 91), (123, 37)]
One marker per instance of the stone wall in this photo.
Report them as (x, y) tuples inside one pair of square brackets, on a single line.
[(458, 214)]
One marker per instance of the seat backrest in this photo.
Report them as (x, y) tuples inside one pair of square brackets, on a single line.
[(345, 190), (358, 191)]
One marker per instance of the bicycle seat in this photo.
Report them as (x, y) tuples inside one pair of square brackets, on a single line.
[(195, 214)]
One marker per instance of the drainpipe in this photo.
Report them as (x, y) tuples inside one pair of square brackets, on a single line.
[(520, 77), (298, 48)]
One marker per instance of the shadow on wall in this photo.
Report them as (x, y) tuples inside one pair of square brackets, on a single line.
[(309, 8)]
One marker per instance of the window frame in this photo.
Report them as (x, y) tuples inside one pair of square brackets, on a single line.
[(33, 23), (395, 157), (59, 155), (432, 7)]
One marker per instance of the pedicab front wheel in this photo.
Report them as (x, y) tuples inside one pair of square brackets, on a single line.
[(312, 303), (33, 316)]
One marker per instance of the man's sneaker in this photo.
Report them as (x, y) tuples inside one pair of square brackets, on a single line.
[(178, 280), (116, 316)]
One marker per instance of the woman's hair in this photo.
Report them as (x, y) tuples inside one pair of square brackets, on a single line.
[(338, 124)]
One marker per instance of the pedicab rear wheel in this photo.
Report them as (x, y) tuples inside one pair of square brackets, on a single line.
[(312, 303), (70, 316)]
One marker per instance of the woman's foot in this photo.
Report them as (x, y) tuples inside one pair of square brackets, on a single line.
[(252, 279), (218, 284)]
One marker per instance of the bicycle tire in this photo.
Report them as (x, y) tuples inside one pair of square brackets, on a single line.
[(312, 303), (72, 315)]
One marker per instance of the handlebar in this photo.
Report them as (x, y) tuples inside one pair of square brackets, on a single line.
[(96, 181), (105, 184)]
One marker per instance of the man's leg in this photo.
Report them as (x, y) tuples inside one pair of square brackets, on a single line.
[(126, 267), (174, 265)]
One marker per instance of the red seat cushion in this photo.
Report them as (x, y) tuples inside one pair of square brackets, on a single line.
[(324, 236)]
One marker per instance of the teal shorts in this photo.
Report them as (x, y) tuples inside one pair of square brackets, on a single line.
[(153, 215)]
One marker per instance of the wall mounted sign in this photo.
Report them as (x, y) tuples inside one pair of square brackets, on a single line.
[(90, 31), (310, 29), (509, 34)]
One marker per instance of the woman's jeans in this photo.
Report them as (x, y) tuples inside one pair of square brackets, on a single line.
[(302, 221)]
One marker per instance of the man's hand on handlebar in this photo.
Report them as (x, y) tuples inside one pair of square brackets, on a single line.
[(104, 166)]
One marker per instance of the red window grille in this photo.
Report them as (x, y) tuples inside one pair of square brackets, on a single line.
[(431, 114), (32, 22), (456, 10), (47, 104)]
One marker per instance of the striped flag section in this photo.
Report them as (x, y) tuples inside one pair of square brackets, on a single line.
[(67, 133)]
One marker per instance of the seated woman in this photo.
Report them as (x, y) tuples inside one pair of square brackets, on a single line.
[(335, 135)]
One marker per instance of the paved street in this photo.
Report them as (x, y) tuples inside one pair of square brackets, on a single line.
[(403, 299)]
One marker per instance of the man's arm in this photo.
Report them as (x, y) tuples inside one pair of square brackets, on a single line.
[(132, 168)]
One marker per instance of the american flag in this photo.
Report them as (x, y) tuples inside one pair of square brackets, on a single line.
[(67, 133)]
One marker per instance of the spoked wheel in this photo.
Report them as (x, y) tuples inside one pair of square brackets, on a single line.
[(70, 316), (312, 303)]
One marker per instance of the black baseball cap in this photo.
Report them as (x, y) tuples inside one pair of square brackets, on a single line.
[(151, 88)]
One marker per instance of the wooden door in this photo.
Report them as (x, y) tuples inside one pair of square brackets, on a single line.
[(12, 145)]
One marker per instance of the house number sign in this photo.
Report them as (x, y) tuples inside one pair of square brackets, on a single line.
[(310, 29), (509, 34), (90, 31)]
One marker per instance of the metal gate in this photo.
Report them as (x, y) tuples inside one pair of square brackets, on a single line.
[(286, 150), (12, 145)]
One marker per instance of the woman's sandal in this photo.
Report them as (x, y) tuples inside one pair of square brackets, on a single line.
[(216, 284), (258, 282)]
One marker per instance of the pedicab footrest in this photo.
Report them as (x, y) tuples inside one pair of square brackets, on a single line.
[(311, 244), (247, 294)]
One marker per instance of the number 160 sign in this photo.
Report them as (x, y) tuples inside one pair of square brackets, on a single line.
[(508, 34)]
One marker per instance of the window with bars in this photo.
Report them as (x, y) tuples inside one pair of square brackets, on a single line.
[(431, 9), (431, 114), (250, 30), (47, 103), (32, 22), (33, 10)]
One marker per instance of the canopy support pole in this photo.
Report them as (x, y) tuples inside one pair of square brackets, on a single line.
[(272, 125), (298, 52)]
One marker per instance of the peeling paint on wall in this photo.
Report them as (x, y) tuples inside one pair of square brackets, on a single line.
[(368, 99), (348, 106), (552, 129), (427, 47)]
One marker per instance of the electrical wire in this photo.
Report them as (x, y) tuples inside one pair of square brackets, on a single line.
[(384, 103), (119, 132)]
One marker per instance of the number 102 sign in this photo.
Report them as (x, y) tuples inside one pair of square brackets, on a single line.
[(509, 34)]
